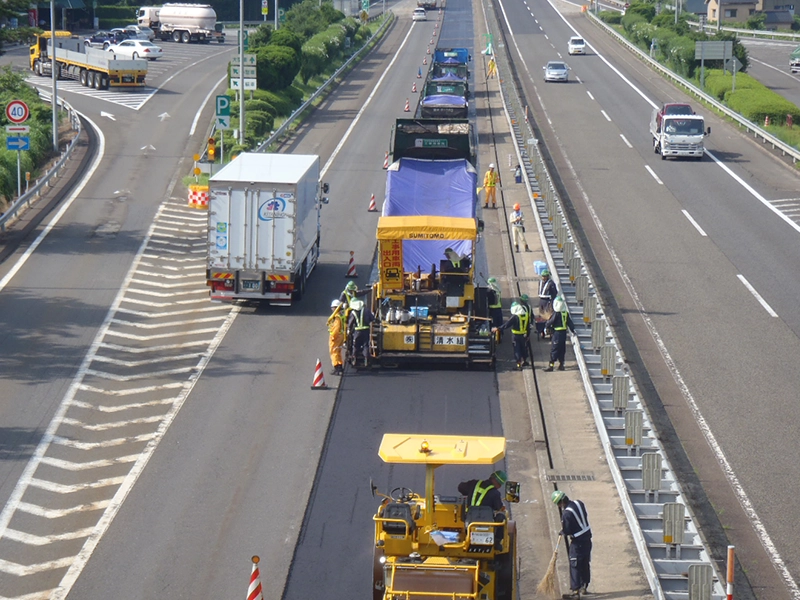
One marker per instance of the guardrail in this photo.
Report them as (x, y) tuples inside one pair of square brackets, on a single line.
[(753, 33), (749, 126), (25, 201), (299, 110)]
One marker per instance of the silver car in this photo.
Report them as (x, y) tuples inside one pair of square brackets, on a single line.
[(556, 70), (144, 33)]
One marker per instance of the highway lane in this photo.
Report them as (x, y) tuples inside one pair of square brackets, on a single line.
[(240, 462), (696, 311), (55, 303), (769, 63)]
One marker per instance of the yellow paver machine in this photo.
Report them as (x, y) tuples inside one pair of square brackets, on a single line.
[(433, 547)]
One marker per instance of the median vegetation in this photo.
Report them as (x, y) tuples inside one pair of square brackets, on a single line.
[(671, 42), (13, 87), (291, 63)]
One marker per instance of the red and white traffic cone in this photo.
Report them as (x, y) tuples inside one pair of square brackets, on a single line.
[(254, 590), (372, 206), (414, 88), (425, 61), (351, 268), (386, 161), (319, 380), (429, 49), (407, 108), (434, 33), (429, 44)]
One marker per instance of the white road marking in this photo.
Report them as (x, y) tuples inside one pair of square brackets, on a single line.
[(590, 94), (145, 437), (605, 114), (653, 173), (364, 107), (693, 222), (624, 139), (43, 540), (757, 296), (69, 465), (57, 513), (13, 568), (203, 105)]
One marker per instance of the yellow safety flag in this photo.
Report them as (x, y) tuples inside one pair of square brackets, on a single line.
[(478, 191)]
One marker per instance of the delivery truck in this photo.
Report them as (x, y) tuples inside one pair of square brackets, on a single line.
[(94, 68), (678, 135), (264, 227), (182, 22)]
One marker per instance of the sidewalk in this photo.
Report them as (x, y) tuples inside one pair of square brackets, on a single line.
[(555, 446)]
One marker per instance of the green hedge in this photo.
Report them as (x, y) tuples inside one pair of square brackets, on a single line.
[(127, 13)]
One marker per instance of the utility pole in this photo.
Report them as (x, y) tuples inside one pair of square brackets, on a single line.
[(241, 71), (54, 73)]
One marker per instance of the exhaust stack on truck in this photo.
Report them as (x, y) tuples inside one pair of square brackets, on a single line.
[(264, 227)]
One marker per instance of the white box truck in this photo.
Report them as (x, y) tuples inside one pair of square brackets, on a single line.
[(678, 135), (264, 227), (182, 22)]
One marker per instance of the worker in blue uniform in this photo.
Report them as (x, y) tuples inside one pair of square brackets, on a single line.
[(559, 323), (578, 535), (520, 325)]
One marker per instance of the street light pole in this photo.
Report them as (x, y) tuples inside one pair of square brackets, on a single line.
[(241, 72), (54, 72)]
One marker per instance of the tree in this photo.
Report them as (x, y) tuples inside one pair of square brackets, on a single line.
[(756, 21), (277, 67), (13, 8), (287, 37), (261, 36)]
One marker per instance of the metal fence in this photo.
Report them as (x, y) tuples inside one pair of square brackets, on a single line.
[(44, 182)]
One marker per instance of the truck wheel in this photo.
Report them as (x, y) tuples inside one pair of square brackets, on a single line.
[(300, 284), (103, 81), (82, 77), (186, 38), (176, 36), (37, 68), (655, 146), (96, 81)]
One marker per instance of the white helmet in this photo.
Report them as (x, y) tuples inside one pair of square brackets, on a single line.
[(356, 304), (559, 305), (491, 165), (335, 304)]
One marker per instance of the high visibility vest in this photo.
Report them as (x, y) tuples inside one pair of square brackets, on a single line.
[(522, 323), (543, 285), (490, 179), (360, 326), (350, 296), (563, 325), (479, 493), (580, 517), (333, 327), (498, 303)]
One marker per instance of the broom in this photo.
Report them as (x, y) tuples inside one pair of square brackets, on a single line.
[(547, 585)]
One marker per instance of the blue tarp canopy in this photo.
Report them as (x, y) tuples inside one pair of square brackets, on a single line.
[(442, 188), (448, 78), (444, 100)]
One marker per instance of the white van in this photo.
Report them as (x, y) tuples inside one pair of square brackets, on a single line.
[(419, 15), (576, 45)]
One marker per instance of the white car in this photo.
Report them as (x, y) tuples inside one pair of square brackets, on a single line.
[(419, 15), (145, 33), (576, 45), (136, 49)]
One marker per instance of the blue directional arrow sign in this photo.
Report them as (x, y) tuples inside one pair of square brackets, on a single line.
[(18, 143)]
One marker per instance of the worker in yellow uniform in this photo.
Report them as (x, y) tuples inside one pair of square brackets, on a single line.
[(337, 329), (490, 182)]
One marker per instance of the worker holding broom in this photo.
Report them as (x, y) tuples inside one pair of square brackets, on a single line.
[(575, 529)]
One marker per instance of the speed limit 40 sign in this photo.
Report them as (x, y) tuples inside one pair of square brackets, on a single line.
[(17, 111)]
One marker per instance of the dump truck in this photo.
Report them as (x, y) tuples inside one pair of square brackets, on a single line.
[(452, 62), (432, 545), (182, 22), (93, 68), (427, 304), (264, 227), (679, 135), (433, 139)]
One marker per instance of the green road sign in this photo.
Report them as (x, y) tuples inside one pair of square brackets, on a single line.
[(223, 106)]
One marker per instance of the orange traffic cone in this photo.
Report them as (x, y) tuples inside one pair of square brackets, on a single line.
[(430, 43), (414, 88), (407, 108), (317, 384), (254, 591), (434, 33), (425, 61), (351, 268), (372, 206), (386, 161)]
